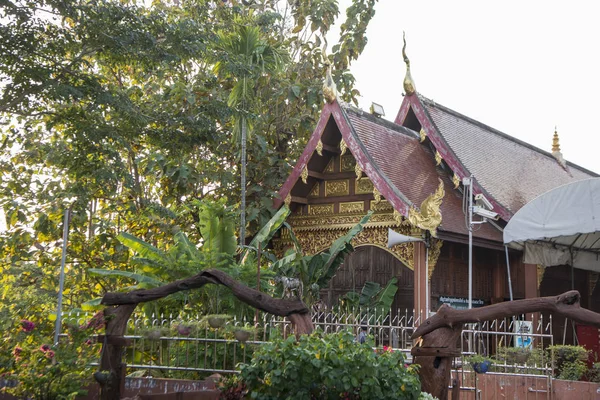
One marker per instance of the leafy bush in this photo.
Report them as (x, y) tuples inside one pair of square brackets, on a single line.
[(44, 372), (570, 361), (332, 366), (594, 373)]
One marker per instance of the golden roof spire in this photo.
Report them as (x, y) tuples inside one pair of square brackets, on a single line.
[(409, 84), (329, 88), (556, 150), (555, 144)]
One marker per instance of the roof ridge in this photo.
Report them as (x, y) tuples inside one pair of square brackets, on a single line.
[(500, 133), (380, 121)]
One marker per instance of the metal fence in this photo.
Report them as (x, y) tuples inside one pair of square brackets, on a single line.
[(187, 347)]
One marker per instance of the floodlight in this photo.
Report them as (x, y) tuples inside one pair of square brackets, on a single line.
[(482, 212), (377, 109), (480, 198)]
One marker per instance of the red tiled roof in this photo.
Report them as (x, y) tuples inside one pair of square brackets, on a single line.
[(410, 167), (511, 171)]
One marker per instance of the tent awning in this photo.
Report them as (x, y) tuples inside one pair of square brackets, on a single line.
[(561, 226)]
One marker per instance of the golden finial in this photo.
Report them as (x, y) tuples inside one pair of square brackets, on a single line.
[(409, 84), (358, 170), (319, 148), (376, 195), (304, 174), (329, 88), (438, 158), (456, 181), (555, 144), (422, 134), (343, 147)]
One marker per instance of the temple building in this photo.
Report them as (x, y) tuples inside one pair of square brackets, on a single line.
[(410, 173)]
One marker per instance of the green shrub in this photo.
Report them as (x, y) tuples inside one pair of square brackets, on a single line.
[(570, 361), (594, 373), (332, 366)]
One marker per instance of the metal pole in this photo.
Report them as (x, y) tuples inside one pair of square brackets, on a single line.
[(470, 194), (508, 272), (61, 284), (243, 185)]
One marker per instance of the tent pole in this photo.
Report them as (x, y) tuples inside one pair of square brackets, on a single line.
[(510, 291)]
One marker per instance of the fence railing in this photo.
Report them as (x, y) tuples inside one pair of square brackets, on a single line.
[(187, 347)]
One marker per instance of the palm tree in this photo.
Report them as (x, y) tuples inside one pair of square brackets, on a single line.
[(247, 58)]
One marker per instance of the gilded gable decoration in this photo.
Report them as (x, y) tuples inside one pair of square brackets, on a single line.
[(435, 248), (423, 134), (329, 167), (376, 195), (352, 207), (358, 171), (288, 200), (456, 181), (337, 188), (382, 206), (430, 215), (347, 163), (314, 192), (320, 209), (363, 186), (438, 158), (319, 148), (318, 231), (343, 147), (304, 174)]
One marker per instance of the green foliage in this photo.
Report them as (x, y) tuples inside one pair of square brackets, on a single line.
[(593, 374), (317, 270), (332, 366), (372, 296), (570, 361), (43, 371), (124, 113)]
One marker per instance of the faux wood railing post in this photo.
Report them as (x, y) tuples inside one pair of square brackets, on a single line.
[(440, 333), (110, 376)]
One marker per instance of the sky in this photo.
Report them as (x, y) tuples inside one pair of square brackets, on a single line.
[(522, 67)]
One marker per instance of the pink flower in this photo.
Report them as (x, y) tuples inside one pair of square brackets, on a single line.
[(27, 325), (88, 342), (50, 354), (17, 351), (44, 348)]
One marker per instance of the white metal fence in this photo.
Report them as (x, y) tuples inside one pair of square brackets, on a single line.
[(187, 347)]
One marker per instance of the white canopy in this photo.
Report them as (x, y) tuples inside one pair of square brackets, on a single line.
[(560, 227)]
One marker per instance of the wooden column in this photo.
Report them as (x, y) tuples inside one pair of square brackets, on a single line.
[(420, 281), (499, 281)]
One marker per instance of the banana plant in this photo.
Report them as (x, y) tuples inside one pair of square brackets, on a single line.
[(372, 296), (317, 270)]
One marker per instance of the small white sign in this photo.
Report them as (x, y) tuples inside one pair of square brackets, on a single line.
[(524, 329)]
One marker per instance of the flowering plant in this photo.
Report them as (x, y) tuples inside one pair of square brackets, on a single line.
[(32, 368), (332, 366)]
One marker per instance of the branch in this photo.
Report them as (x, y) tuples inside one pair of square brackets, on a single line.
[(252, 297), (566, 305)]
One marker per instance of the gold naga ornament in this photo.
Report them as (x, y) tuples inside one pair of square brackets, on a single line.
[(430, 215), (409, 84)]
